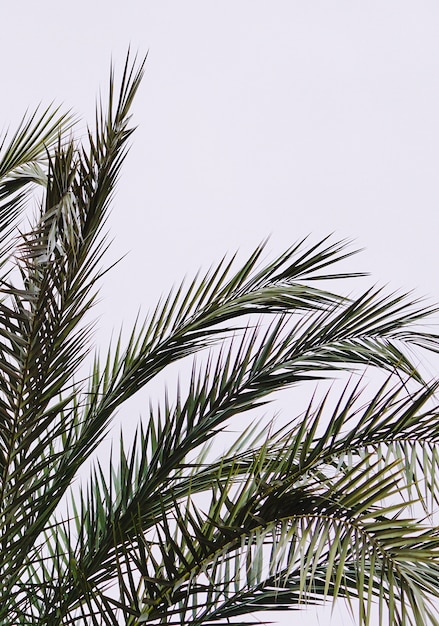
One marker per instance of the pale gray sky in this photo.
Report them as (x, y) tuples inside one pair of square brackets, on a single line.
[(255, 118)]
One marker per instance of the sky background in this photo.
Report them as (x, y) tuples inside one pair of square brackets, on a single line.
[(281, 118)]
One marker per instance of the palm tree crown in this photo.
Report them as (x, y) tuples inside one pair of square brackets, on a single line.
[(337, 503)]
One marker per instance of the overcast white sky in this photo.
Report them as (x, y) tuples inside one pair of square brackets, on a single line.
[(255, 118)]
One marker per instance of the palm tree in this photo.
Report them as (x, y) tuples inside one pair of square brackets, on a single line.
[(338, 502)]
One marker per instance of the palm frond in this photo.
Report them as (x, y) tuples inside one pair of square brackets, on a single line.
[(340, 479), (21, 160), (47, 338)]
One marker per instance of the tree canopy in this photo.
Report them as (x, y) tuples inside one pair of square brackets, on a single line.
[(338, 503)]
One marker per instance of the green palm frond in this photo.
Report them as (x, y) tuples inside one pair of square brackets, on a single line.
[(260, 487), (22, 160), (45, 340), (325, 514)]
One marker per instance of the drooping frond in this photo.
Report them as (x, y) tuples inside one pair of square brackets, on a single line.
[(301, 519), (22, 161), (181, 563)]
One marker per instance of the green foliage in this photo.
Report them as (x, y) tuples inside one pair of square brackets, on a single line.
[(338, 503)]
